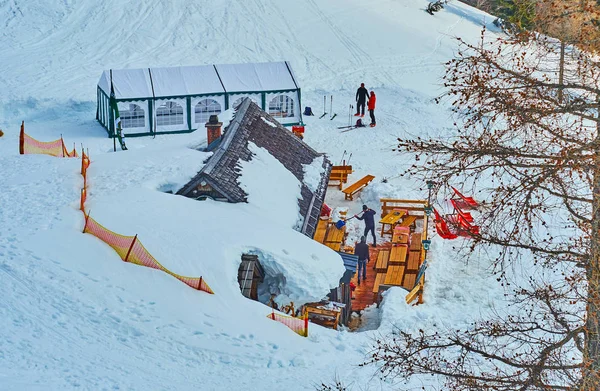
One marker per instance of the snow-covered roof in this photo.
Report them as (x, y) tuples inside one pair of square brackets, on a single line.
[(197, 80), (222, 171)]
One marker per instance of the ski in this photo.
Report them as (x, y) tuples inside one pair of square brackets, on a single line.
[(333, 116), (345, 127), (324, 114), (351, 128)]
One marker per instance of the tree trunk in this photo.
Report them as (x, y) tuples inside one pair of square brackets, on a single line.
[(561, 71), (591, 379)]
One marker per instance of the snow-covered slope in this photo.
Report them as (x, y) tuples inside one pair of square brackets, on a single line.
[(73, 315)]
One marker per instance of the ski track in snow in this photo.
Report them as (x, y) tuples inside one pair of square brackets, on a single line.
[(75, 316)]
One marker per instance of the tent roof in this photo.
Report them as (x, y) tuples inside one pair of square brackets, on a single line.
[(197, 80), (266, 76)]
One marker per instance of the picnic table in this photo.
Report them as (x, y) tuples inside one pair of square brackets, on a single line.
[(394, 275), (391, 219), (398, 255)]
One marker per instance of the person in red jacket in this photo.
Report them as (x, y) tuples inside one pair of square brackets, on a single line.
[(371, 107)]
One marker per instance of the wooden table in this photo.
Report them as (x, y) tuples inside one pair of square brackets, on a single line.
[(398, 255), (334, 246), (335, 235), (400, 238), (391, 219), (394, 275)]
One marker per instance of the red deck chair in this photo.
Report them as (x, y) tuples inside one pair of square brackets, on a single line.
[(465, 202), (466, 215), (466, 227), (442, 227)]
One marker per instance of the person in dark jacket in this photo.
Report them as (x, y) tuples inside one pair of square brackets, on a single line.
[(361, 99), (361, 250), (368, 216)]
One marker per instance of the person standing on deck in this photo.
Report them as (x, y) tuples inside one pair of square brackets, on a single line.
[(369, 217), (371, 107), (361, 98), (361, 250)]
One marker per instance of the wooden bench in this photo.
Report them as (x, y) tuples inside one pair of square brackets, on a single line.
[(409, 281), (398, 255), (382, 261), (339, 174), (356, 187), (321, 231), (394, 275), (414, 258), (412, 206), (408, 221), (379, 279), (325, 318), (415, 241)]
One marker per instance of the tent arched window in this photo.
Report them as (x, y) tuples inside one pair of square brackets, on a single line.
[(281, 106), (169, 113), (239, 100), (135, 117), (205, 108)]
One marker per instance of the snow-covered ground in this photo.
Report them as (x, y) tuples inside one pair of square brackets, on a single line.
[(73, 315)]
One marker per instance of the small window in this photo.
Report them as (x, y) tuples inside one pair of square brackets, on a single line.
[(205, 108), (133, 118), (281, 106), (169, 113)]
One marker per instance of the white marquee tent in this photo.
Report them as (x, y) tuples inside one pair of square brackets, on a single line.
[(181, 99)]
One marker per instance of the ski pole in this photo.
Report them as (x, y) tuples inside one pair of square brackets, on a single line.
[(331, 107), (344, 154), (324, 104), (349, 157)]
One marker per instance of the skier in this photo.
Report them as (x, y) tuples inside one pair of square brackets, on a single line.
[(369, 217), (361, 250), (361, 99), (371, 107)]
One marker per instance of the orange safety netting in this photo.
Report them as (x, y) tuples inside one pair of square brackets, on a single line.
[(130, 249), (297, 325), (29, 145)]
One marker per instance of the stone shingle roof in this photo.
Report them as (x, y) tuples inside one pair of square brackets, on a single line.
[(222, 170)]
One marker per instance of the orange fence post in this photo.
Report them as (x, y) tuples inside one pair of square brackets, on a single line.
[(82, 203), (306, 323), (22, 139), (86, 220), (130, 247)]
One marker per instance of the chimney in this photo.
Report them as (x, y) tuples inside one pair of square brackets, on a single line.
[(213, 129)]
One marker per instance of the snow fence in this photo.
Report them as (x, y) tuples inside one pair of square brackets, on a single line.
[(129, 248), (298, 325), (29, 145)]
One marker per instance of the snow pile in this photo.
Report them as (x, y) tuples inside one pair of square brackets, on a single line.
[(313, 173), (271, 188)]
